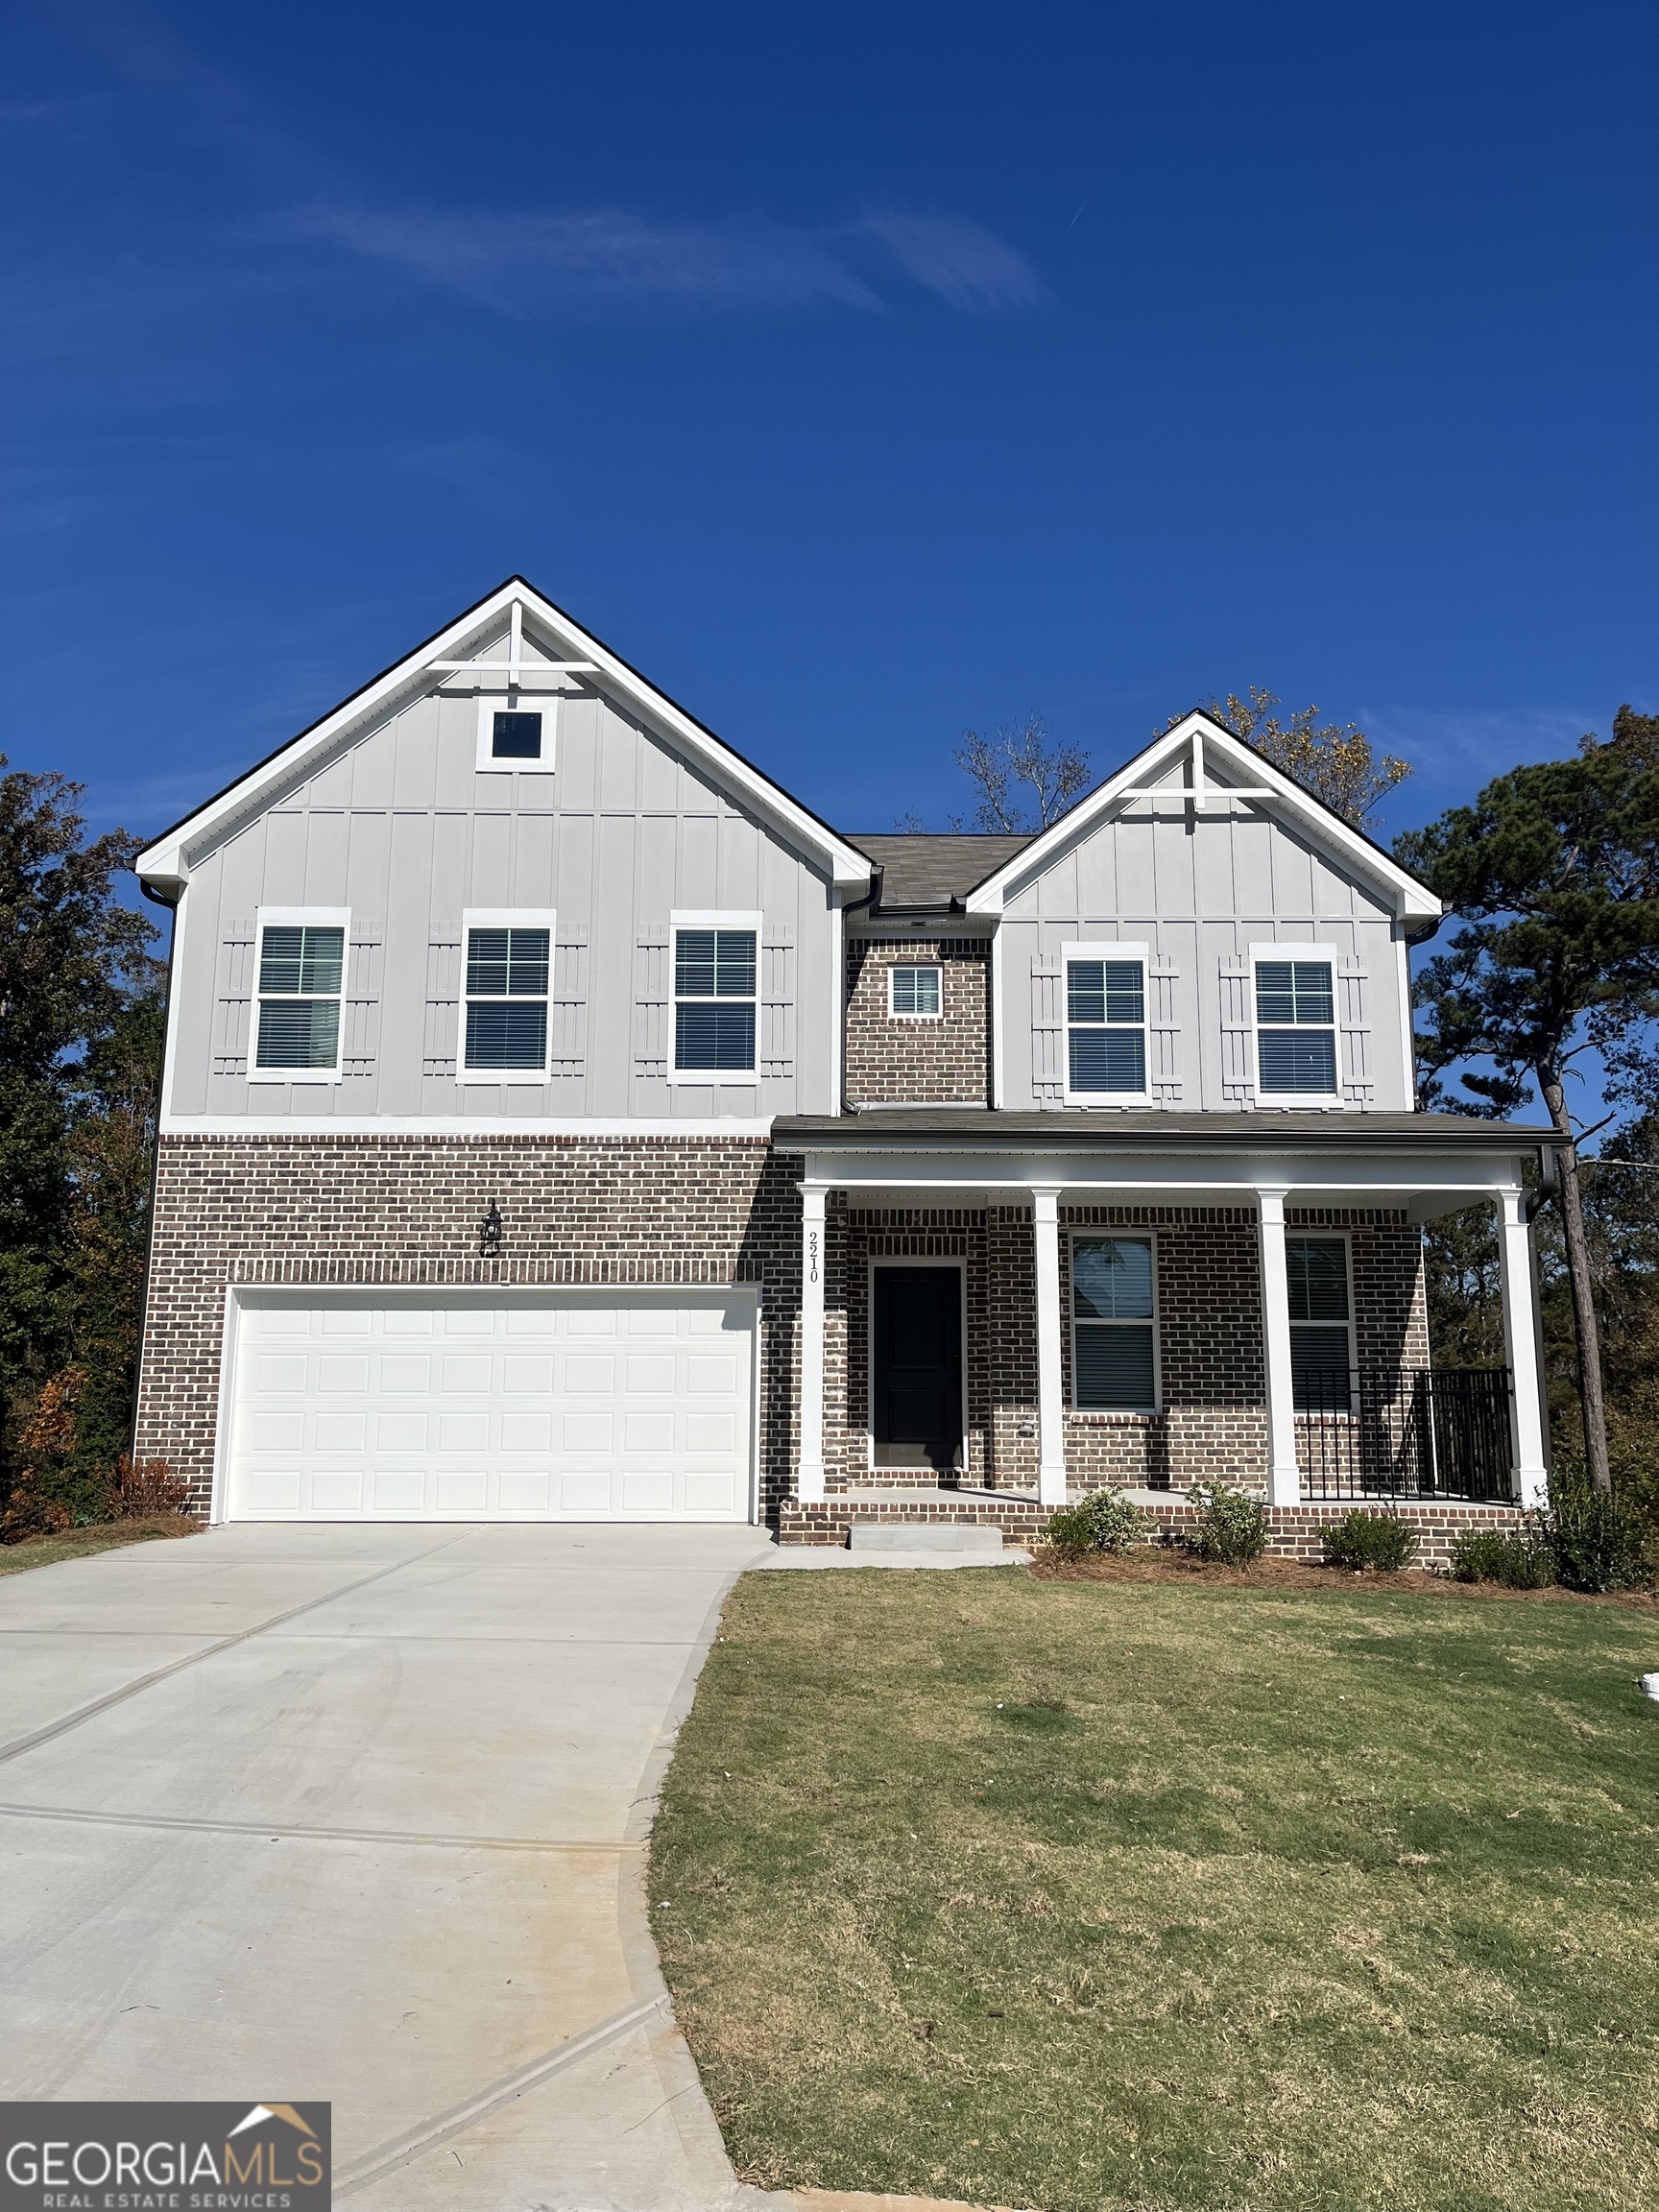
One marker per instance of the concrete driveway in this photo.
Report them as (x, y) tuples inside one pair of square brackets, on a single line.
[(357, 1814)]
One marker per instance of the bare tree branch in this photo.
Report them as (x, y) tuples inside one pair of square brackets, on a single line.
[(1026, 781)]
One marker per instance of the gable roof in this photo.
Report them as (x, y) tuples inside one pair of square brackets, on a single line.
[(1207, 745), (164, 864), (924, 868)]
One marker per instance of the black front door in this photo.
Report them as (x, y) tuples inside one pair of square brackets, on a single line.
[(916, 1380)]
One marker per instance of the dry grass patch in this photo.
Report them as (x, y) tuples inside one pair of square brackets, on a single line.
[(81, 1543), (1108, 1893)]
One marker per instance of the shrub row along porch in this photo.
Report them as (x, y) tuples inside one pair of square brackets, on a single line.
[(1293, 1530), (1040, 1305)]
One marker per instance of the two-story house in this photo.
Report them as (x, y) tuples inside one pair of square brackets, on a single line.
[(561, 1121)]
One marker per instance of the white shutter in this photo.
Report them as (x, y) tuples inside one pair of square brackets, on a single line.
[(232, 1012), (568, 1011), (360, 1037), (775, 1044), (1238, 1032), (440, 1042), (653, 1010), (1047, 1031), (1163, 1073), (1358, 1084)]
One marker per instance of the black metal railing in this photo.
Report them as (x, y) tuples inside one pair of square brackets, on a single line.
[(1405, 1432)]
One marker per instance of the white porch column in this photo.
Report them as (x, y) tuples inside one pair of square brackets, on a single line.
[(1050, 1388), (1283, 1477), (1520, 1348), (809, 1471)]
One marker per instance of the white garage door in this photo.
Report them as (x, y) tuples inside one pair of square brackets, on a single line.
[(533, 1406)]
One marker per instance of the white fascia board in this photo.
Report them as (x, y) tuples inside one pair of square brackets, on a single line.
[(166, 864), (1410, 899), (1374, 1178)]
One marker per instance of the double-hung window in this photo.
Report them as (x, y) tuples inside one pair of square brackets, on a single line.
[(1321, 1323), (508, 955), (714, 994), (302, 977), (915, 993), (1105, 1022), (1295, 1026), (1114, 1325)]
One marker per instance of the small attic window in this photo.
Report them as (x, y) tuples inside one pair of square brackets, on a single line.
[(515, 736), (515, 733)]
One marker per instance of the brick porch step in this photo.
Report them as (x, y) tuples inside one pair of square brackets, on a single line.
[(1016, 1513)]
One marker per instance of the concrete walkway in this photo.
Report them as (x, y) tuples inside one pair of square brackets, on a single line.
[(357, 1814)]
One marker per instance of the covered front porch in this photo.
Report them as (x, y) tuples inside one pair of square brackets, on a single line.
[(1149, 1302)]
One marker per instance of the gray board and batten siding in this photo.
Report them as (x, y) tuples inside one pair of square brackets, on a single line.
[(1199, 889), (399, 826)]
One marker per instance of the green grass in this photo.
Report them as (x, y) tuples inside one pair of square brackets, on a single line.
[(1084, 1895), (81, 1543)]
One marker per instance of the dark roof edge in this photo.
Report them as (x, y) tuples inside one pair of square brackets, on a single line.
[(1420, 935), (224, 792)]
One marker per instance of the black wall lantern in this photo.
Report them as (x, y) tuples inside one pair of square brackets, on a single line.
[(489, 1233)]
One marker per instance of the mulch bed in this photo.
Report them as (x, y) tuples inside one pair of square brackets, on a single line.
[(1154, 1564)]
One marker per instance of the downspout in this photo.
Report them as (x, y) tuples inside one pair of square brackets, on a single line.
[(871, 900), (172, 905)]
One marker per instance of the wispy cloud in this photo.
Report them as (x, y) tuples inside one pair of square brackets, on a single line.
[(1445, 742), (968, 266), (1454, 752), (539, 261), (530, 263), (34, 501), (524, 263)]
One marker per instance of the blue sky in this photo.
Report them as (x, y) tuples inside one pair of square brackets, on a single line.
[(859, 373)]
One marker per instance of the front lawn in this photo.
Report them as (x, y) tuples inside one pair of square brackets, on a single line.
[(81, 1543), (1109, 1895)]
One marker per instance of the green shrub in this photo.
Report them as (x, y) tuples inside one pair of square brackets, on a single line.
[(1360, 1540), (1232, 1528), (1639, 1493), (1514, 1558), (1596, 1540), (1105, 1521)]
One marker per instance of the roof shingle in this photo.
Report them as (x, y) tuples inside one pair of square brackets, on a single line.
[(928, 869)]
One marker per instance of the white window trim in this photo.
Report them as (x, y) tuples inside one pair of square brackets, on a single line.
[(289, 918), (1105, 948), (520, 702), (907, 1260), (893, 968), (1093, 1235), (1302, 1234), (713, 918), (1287, 1101), (504, 918)]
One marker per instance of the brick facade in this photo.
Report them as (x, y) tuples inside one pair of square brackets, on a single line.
[(908, 1059), (352, 1210), (577, 1210), (1212, 1424)]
